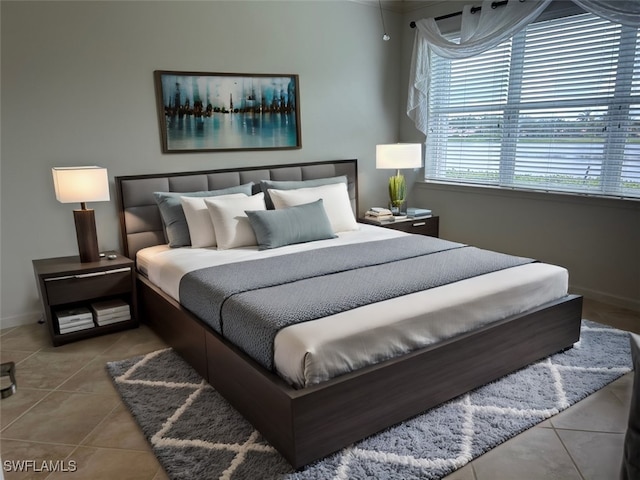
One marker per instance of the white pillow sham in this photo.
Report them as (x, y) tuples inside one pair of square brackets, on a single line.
[(334, 196), (230, 222), (199, 221)]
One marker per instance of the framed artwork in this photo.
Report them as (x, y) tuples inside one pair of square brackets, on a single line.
[(205, 112)]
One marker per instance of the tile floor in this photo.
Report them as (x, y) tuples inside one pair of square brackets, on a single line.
[(66, 409)]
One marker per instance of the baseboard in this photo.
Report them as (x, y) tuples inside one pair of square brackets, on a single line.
[(623, 302), (18, 320)]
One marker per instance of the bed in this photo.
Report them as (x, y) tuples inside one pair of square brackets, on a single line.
[(305, 408)]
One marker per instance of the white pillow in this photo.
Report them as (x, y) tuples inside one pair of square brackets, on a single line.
[(199, 221), (334, 196), (230, 223)]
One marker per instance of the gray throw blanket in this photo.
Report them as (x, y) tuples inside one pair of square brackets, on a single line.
[(249, 302)]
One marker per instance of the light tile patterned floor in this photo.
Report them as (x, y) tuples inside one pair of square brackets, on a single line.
[(66, 409)]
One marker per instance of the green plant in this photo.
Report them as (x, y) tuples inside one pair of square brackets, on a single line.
[(397, 190)]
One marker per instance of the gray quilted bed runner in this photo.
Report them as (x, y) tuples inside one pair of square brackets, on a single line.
[(249, 302)]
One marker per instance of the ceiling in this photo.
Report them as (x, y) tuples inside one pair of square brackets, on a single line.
[(401, 6)]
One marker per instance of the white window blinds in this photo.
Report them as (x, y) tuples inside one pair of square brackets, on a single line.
[(556, 108)]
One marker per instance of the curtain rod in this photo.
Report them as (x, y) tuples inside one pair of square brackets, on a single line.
[(473, 10)]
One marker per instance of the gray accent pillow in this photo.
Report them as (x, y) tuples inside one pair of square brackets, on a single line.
[(175, 223), (287, 226), (265, 185)]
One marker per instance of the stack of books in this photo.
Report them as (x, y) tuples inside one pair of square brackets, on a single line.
[(413, 212), (379, 215), (111, 311), (74, 319)]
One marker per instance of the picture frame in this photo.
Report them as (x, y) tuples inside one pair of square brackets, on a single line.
[(211, 112)]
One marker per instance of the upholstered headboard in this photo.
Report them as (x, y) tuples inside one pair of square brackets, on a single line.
[(140, 221)]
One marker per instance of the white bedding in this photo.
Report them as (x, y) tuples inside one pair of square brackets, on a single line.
[(315, 351)]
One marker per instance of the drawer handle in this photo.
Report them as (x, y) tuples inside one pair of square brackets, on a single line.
[(88, 275), (66, 277), (119, 270), (105, 272), (419, 224)]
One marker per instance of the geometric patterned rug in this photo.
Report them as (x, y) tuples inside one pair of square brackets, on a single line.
[(196, 434)]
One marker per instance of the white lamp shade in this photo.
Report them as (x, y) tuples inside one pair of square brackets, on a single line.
[(399, 155), (81, 184)]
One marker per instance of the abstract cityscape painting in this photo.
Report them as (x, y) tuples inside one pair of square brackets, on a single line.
[(203, 112)]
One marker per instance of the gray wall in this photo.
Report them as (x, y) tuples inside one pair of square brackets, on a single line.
[(77, 89), (597, 240)]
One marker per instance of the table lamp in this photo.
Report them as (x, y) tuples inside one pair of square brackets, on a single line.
[(397, 156), (81, 185)]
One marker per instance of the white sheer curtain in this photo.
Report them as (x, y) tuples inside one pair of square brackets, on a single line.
[(481, 32), (626, 12)]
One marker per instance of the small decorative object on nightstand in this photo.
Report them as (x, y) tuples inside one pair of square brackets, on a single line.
[(85, 299)]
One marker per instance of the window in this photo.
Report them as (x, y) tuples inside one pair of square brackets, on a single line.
[(555, 108)]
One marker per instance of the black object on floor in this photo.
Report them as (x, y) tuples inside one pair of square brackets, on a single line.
[(8, 370)]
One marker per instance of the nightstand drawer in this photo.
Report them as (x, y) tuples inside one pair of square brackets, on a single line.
[(424, 226), (86, 286)]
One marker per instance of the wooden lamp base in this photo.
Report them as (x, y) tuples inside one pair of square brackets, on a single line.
[(86, 233)]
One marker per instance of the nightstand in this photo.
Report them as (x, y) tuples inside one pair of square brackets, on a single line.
[(66, 284), (429, 226)]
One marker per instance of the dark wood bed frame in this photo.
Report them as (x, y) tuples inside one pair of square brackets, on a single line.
[(307, 424)]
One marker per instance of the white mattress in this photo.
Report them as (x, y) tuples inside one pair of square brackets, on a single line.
[(315, 351)]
